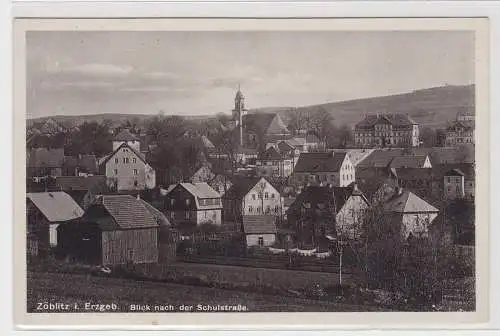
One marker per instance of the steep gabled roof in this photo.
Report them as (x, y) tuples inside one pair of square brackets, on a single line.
[(284, 146), (123, 145), (277, 126), (127, 211), (320, 162), (125, 135), (259, 224), (408, 202), (56, 206), (201, 190), (206, 142)]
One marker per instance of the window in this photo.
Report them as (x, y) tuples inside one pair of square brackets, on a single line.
[(124, 161), (172, 201), (135, 171), (250, 209), (259, 210), (261, 241), (186, 215), (253, 196), (116, 160), (458, 189), (272, 195), (260, 195), (276, 209), (266, 195), (448, 179), (131, 255), (116, 171), (214, 215), (188, 201), (135, 183), (268, 209), (134, 160)]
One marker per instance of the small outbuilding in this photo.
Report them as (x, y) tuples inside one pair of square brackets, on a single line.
[(116, 229), (259, 230)]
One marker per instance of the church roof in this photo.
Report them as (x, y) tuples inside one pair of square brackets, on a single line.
[(277, 126)]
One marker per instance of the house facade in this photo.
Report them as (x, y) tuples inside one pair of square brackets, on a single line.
[(193, 204), (454, 184), (126, 169), (323, 168), (250, 197), (462, 130), (387, 130)]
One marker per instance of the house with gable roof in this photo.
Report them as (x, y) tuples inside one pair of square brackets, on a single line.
[(192, 204), (323, 168), (410, 214), (252, 196), (126, 169), (125, 136)]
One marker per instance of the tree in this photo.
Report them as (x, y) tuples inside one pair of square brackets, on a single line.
[(297, 121), (89, 138), (429, 137)]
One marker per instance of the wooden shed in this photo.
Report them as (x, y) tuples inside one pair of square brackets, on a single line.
[(115, 230)]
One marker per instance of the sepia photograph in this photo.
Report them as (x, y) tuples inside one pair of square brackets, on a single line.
[(244, 171)]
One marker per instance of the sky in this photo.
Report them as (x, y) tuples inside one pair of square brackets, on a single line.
[(198, 73)]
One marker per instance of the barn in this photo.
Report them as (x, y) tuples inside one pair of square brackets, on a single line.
[(115, 230)]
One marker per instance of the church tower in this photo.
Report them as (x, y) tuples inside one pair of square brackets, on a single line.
[(238, 112)]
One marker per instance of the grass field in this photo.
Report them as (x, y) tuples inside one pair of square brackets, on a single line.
[(79, 289)]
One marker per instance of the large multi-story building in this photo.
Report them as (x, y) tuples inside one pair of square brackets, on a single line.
[(462, 130), (387, 130)]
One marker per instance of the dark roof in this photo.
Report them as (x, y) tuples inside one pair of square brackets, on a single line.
[(320, 162), (424, 174), (125, 135), (333, 196), (461, 124), (394, 119), (45, 157), (127, 211), (437, 155), (270, 154), (259, 224), (407, 161), (241, 187), (79, 182)]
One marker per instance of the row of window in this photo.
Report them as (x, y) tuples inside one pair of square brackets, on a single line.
[(126, 160), (266, 196), (258, 210), (187, 201), (187, 215), (134, 171)]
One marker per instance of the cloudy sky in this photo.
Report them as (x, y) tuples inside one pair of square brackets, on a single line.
[(195, 73)]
